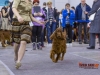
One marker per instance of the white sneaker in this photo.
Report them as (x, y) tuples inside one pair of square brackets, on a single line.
[(70, 44), (67, 44), (49, 45)]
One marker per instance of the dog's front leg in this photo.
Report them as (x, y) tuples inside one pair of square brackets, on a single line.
[(62, 58), (52, 55), (57, 58)]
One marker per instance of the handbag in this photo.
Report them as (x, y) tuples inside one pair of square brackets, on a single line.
[(91, 18)]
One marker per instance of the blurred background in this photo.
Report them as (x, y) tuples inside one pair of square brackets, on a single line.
[(59, 4)]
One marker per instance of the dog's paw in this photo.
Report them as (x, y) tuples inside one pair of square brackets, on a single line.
[(4, 45), (51, 56), (62, 59), (59, 58), (55, 61)]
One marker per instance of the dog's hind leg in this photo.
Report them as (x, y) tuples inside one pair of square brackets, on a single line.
[(3, 41)]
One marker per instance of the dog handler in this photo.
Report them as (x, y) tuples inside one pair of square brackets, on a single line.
[(95, 24), (21, 29)]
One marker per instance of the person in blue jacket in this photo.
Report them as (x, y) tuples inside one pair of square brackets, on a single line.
[(81, 16), (68, 21)]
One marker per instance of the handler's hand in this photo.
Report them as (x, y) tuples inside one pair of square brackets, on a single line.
[(20, 19)]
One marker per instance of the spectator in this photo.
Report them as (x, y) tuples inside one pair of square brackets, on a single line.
[(11, 12), (61, 16), (73, 8), (0, 20), (51, 21), (67, 23), (95, 24), (37, 28), (5, 15), (57, 18), (44, 7), (99, 43), (82, 19), (43, 35), (74, 31)]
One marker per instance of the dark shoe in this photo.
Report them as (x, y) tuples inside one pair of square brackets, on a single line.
[(91, 47), (39, 46), (34, 46), (86, 42), (80, 42)]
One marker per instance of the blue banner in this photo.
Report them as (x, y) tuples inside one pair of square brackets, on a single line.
[(2, 2)]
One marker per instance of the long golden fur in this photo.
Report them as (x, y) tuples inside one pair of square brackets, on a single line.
[(58, 45)]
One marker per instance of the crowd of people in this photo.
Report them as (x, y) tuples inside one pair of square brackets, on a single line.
[(45, 20)]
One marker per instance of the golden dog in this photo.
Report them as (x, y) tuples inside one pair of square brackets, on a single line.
[(58, 45), (5, 35)]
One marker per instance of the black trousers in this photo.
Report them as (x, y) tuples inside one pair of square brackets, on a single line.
[(69, 32), (36, 33)]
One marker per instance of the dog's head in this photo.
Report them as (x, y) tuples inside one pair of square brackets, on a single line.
[(58, 33)]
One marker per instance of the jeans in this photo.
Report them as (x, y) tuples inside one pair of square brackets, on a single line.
[(50, 29)]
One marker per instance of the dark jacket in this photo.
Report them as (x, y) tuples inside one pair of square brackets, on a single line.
[(95, 24), (78, 13)]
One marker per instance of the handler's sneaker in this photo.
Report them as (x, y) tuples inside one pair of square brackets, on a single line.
[(34, 46), (39, 46), (49, 45), (67, 44), (70, 44)]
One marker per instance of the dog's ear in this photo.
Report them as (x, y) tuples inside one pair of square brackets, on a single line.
[(53, 35), (64, 35)]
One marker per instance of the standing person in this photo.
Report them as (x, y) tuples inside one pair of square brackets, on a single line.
[(82, 19), (68, 20), (74, 29), (95, 24), (5, 16), (11, 12), (21, 28), (51, 21), (73, 8), (37, 28), (43, 35), (99, 44), (57, 18), (0, 20), (60, 17), (44, 7)]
